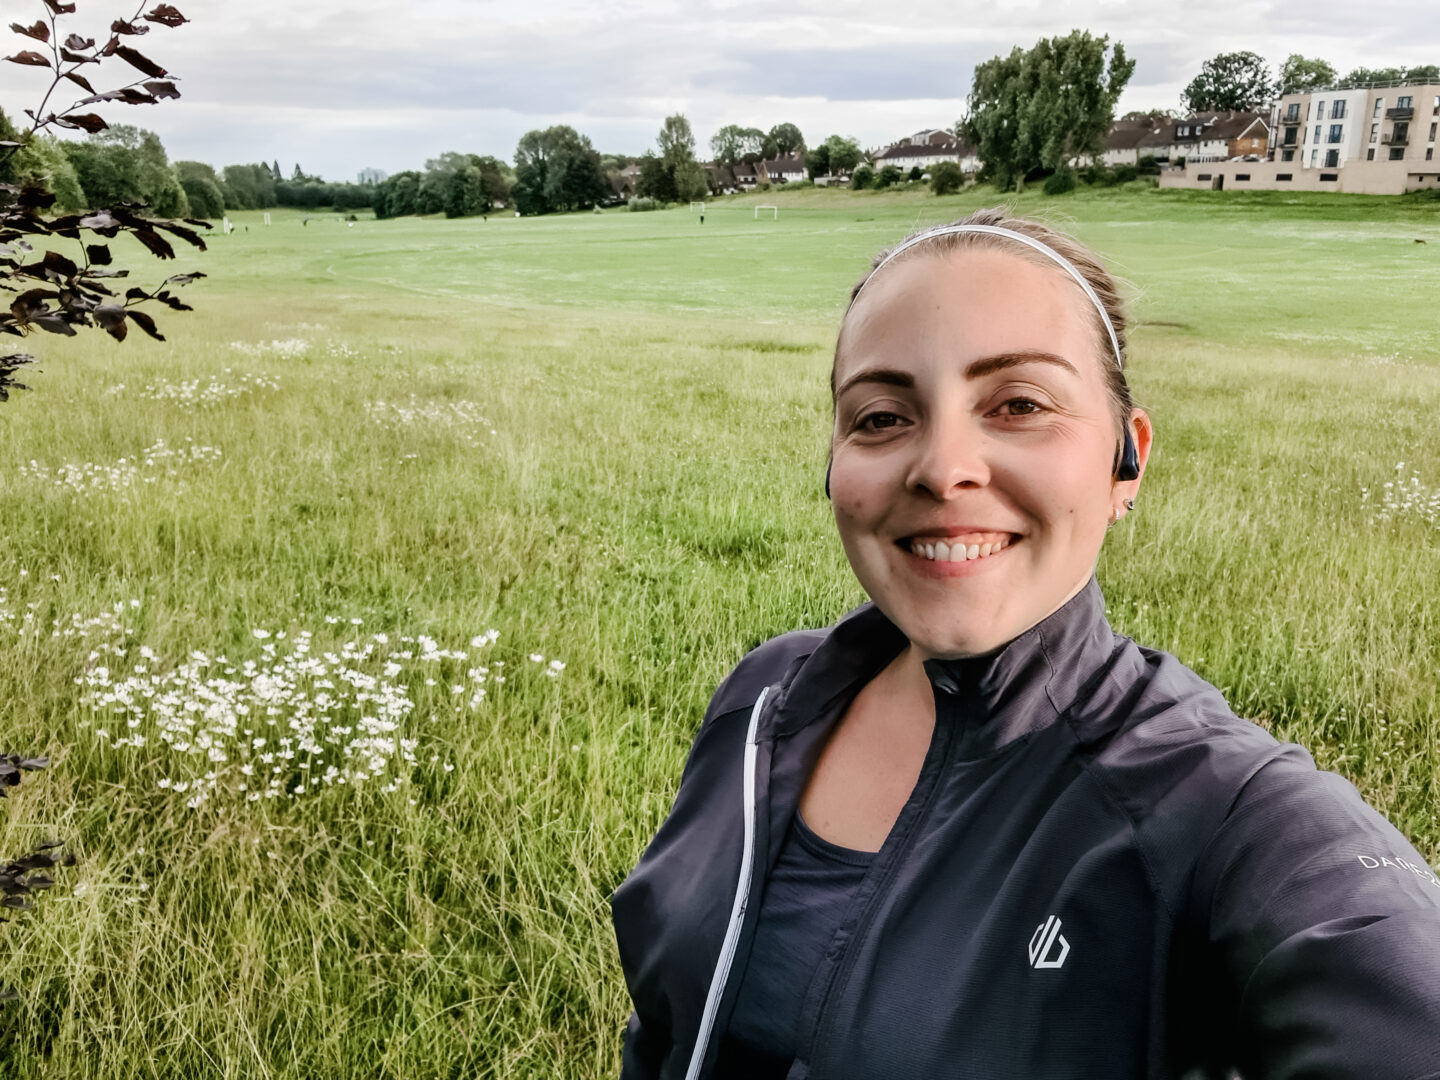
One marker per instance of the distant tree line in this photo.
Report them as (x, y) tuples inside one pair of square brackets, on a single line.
[(1242, 81), (454, 184)]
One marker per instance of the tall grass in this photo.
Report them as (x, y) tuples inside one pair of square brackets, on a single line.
[(603, 436)]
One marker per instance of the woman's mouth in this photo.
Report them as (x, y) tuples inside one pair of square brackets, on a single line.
[(967, 547)]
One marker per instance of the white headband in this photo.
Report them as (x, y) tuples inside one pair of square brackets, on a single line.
[(1029, 241)]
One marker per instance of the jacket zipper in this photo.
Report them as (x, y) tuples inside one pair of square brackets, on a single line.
[(742, 897)]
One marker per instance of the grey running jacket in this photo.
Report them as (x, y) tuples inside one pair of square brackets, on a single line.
[(1102, 873)]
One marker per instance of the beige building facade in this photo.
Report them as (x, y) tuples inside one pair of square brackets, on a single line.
[(1377, 140)]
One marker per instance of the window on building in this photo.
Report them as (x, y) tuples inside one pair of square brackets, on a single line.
[(1255, 143), (1432, 133), (1314, 158), (1403, 102), (1317, 134), (1374, 132), (1287, 155), (1332, 158), (1284, 176), (1289, 137), (1370, 154), (1293, 112), (1401, 134), (1337, 110), (1320, 111), (1336, 132), (1396, 153), (1429, 153), (1242, 176), (1329, 176), (1436, 110), (1379, 105), (1184, 130)]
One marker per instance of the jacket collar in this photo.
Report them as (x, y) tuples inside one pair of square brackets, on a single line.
[(1023, 686)]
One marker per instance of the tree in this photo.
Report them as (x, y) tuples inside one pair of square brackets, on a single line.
[(786, 139), (43, 163), (817, 161), (889, 174), (1238, 80), (946, 177), (844, 154), (733, 144), (1043, 107), (862, 178), (398, 195), (677, 153), (1301, 74), (202, 187), (655, 180), (275, 173), (917, 173), (55, 293), (557, 169), (249, 187), (1419, 73)]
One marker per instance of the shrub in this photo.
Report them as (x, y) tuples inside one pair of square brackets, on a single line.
[(1125, 173), (917, 173), (640, 204), (946, 178), (1060, 182), (863, 177), (1148, 166), (890, 174), (1179, 162)]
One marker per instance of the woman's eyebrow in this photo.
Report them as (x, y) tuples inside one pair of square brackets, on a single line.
[(991, 364), (884, 376)]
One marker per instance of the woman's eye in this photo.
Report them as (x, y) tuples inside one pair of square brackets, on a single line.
[(878, 421), (1019, 407)]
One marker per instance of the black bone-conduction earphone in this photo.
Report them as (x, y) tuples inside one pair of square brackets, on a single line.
[(1127, 462)]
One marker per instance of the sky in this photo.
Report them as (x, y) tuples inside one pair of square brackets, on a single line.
[(337, 86)]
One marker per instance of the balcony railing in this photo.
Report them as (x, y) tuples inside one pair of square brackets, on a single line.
[(1396, 140), (1399, 114)]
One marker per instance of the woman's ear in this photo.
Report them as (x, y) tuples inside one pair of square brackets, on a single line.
[(1138, 437)]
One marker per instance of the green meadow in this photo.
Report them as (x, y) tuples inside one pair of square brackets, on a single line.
[(330, 825)]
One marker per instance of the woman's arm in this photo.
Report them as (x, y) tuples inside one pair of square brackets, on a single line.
[(1326, 926)]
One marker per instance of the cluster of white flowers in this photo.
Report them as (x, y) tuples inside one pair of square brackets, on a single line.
[(430, 414), (203, 392), (29, 623), (153, 464), (1394, 359), (551, 668), (1402, 498), (290, 722), (285, 349)]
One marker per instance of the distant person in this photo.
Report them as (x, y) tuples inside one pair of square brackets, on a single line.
[(702, 219), (971, 832)]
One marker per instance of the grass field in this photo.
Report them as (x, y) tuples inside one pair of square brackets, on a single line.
[(601, 437)]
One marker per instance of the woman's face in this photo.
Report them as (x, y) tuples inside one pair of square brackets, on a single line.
[(972, 417)]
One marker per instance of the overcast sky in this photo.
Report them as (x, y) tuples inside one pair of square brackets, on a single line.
[(341, 85)]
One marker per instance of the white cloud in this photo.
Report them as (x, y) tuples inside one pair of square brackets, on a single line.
[(340, 85)]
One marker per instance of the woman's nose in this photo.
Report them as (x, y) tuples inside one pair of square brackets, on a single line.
[(950, 457)]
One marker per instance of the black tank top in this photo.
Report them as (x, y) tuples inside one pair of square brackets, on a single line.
[(806, 900)]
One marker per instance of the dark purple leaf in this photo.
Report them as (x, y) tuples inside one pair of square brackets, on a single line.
[(138, 61), (190, 236), (85, 122), (19, 903), (57, 8), (80, 81), (99, 221), (76, 58), (163, 88), (57, 266), (31, 764), (146, 323), (32, 59), (98, 254), (157, 244), (120, 26), (53, 324), (40, 32), (76, 42), (112, 318), (166, 14), (184, 279)]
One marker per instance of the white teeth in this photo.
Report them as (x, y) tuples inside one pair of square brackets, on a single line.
[(940, 551)]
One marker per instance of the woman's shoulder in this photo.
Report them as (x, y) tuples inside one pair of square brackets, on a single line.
[(768, 664)]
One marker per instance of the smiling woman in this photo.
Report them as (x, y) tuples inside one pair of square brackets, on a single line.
[(971, 831)]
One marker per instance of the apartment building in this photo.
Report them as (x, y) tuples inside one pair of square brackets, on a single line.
[(1378, 139)]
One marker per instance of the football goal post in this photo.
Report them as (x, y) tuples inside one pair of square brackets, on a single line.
[(775, 215), (697, 206)]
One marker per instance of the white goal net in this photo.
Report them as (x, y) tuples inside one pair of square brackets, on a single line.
[(775, 212)]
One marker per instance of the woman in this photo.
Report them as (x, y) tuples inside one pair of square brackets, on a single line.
[(971, 832)]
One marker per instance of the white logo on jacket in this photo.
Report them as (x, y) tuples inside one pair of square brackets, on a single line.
[(1043, 944)]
